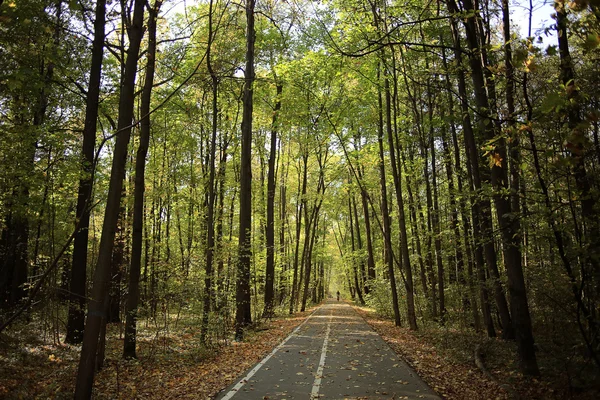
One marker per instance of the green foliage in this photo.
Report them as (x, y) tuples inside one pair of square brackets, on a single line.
[(380, 298)]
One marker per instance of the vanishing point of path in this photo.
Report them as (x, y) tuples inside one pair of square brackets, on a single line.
[(333, 354)]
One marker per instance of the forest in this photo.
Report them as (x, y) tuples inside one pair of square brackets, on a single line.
[(176, 174)]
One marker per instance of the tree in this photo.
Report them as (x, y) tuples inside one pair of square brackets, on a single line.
[(243, 314), (270, 228), (129, 343), (476, 55), (511, 227), (97, 304), (385, 212)]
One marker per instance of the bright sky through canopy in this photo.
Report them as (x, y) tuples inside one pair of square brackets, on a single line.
[(541, 18)]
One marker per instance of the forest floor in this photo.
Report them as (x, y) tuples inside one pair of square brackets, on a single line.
[(171, 364), (444, 358)]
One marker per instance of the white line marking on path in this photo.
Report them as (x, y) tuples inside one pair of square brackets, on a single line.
[(258, 366), (317, 383)]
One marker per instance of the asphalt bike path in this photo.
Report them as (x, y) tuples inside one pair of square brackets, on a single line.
[(333, 354)]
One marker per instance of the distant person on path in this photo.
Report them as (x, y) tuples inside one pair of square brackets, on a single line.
[(338, 295)]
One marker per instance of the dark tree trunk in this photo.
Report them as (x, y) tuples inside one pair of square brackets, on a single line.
[(429, 259), (479, 176), (437, 231), (243, 316), (96, 308), (509, 216), (359, 244), (300, 208), (415, 226), (435, 212), (392, 131), (78, 279), (221, 296), (129, 344), (498, 173), (283, 280), (473, 174), (321, 287), (389, 257), (459, 257), (116, 266), (430, 234), (308, 261), (210, 190), (14, 258), (270, 228), (370, 257), (307, 231), (353, 247), (305, 263)]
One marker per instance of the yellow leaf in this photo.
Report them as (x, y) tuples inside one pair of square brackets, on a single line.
[(495, 160)]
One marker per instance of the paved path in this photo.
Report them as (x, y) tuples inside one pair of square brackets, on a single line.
[(334, 354)]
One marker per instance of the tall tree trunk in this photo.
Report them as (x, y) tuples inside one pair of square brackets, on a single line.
[(417, 111), (38, 233), (482, 176), (353, 247), (129, 342), (389, 257), (392, 131), (511, 226), (308, 261), (435, 212), (283, 277), (459, 258), (473, 174), (415, 226), (96, 309), (220, 300), (78, 281), (437, 231), (321, 287), (243, 316), (368, 233), (307, 226), (430, 233), (270, 228), (300, 208), (359, 244), (305, 257), (497, 177), (210, 189), (116, 265)]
